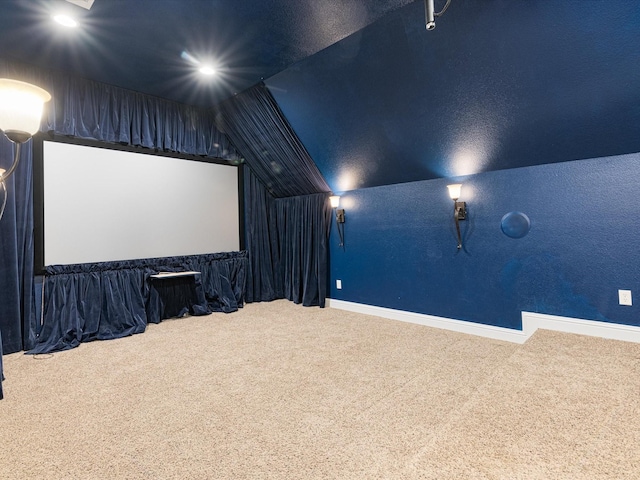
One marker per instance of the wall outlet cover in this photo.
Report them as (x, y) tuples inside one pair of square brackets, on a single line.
[(624, 297)]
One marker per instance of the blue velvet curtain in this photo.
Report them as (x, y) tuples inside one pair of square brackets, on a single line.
[(90, 305), (258, 128), (91, 110), (17, 303), (287, 215), (302, 228), (101, 301), (263, 285), (287, 242)]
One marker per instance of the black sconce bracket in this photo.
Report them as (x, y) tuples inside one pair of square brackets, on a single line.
[(459, 213), (460, 210), (340, 225)]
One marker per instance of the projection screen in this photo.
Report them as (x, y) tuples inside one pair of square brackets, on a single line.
[(103, 205)]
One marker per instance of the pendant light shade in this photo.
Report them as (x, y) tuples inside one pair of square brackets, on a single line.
[(21, 106)]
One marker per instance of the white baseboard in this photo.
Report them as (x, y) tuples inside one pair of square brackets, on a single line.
[(530, 323), (614, 331)]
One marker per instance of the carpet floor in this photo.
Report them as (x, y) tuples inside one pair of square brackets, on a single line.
[(279, 391)]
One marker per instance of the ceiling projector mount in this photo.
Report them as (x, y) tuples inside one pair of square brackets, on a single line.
[(430, 13)]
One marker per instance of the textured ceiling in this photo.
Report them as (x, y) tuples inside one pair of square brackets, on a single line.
[(498, 84), (154, 46)]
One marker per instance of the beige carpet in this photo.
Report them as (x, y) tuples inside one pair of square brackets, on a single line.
[(278, 391)]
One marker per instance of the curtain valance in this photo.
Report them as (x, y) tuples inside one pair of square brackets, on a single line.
[(165, 264), (86, 109)]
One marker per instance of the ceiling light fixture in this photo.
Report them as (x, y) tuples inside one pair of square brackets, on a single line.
[(65, 20), (207, 70)]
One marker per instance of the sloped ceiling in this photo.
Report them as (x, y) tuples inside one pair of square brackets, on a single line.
[(373, 96), (498, 84)]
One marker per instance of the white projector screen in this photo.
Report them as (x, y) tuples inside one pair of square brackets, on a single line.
[(105, 205)]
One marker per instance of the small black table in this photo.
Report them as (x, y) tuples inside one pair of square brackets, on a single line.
[(173, 294)]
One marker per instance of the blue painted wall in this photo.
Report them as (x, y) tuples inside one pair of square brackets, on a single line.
[(401, 248)]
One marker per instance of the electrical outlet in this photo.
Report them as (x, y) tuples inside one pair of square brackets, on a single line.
[(624, 297), (339, 284)]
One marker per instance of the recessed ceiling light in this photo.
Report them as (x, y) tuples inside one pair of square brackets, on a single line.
[(65, 20), (207, 70)]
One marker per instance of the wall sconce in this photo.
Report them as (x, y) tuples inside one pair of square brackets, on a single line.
[(335, 203), (459, 208), (21, 106)]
